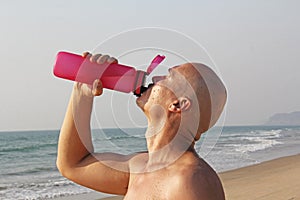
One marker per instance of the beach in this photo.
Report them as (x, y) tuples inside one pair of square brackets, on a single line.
[(254, 162), (275, 179), (278, 179)]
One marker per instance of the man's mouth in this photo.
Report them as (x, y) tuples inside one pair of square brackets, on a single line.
[(144, 89)]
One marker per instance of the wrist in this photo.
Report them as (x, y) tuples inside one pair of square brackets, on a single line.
[(81, 100), (83, 91)]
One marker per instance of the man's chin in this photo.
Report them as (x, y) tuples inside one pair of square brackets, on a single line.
[(142, 100), (140, 103)]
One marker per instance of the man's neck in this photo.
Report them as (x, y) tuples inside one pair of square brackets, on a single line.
[(166, 145)]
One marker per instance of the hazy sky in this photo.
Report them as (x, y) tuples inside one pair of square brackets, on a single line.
[(255, 45)]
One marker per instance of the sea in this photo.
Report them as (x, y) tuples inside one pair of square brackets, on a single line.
[(28, 158)]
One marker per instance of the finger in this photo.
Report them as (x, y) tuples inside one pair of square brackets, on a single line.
[(86, 54), (95, 57), (112, 60), (102, 59), (97, 88)]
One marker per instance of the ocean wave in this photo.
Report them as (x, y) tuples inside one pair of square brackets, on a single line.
[(28, 148), (41, 190), (261, 132), (260, 144), (119, 137), (31, 171), (275, 132)]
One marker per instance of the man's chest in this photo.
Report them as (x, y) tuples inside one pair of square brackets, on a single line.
[(148, 186)]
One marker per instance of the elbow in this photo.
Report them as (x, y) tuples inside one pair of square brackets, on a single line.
[(61, 168), (64, 169)]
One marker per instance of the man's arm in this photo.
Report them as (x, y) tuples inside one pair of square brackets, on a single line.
[(76, 159)]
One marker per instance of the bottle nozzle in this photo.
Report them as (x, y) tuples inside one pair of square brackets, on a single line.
[(139, 87), (155, 62)]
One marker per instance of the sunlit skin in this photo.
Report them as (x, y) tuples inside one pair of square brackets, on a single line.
[(179, 108)]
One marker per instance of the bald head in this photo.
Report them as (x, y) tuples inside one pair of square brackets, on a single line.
[(208, 94)]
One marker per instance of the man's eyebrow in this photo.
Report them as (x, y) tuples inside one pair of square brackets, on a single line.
[(170, 70)]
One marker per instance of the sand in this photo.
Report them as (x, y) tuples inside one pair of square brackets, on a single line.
[(277, 179)]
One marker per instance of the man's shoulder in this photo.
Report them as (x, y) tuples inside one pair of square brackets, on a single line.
[(191, 162), (197, 179), (192, 168)]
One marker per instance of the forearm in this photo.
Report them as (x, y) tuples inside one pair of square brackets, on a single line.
[(75, 141)]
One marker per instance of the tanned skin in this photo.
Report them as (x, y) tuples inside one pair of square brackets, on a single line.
[(171, 168)]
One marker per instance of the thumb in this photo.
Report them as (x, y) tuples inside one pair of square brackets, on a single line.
[(97, 89)]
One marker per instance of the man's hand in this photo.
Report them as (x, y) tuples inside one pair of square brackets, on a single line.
[(96, 89)]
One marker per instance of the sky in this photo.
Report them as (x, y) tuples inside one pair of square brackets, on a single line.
[(254, 46)]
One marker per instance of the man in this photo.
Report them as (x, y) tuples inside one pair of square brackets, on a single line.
[(179, 108)]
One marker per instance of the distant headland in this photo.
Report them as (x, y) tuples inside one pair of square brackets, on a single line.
[(289, 119)]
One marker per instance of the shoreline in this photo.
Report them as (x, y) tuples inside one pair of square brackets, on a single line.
[(275, 179)]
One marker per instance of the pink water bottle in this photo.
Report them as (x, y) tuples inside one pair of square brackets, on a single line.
[(113, 76)]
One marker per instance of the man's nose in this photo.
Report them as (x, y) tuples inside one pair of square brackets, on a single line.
[(155, 79)]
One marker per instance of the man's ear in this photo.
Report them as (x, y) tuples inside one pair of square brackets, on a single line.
[(180, 105)]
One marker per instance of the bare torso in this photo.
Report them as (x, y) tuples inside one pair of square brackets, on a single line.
[(148, 186), (187, 177)]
